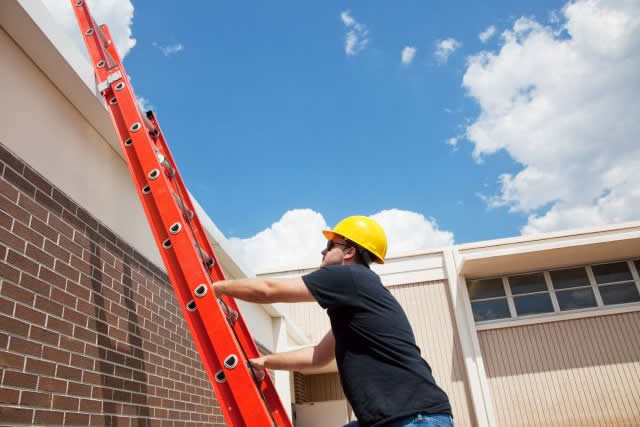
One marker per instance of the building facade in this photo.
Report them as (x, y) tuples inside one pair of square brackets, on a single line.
[(538, 330)]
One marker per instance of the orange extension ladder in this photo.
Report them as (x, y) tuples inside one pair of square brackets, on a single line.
[(219, 332)]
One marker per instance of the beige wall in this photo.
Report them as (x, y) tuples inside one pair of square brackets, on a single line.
[(429, 311), (571, 373)]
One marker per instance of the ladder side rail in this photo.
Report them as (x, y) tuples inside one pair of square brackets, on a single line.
[(148, 157), (242, 332), (189, 266), (197, 329)]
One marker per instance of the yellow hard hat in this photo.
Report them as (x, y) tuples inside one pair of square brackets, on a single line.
[(363, 231)]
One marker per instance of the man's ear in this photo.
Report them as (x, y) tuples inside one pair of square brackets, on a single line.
[(351, 252)]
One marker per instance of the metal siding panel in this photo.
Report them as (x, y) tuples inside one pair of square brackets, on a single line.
[(575, 372)]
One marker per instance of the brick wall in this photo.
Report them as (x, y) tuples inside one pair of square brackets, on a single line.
[(90, 332)]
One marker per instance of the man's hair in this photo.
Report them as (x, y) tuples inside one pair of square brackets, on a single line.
[(363, 256)]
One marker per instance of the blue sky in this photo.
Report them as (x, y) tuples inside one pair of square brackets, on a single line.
[(267, 109)]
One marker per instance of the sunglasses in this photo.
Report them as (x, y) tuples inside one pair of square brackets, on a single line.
[(331, 244)]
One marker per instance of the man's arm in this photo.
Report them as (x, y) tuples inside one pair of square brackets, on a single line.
[(308, 357), (264, 290)]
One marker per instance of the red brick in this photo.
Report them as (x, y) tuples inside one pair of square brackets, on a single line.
[(5, 221), (54, 207), (11, 240), (22, 263), (11, 360), (37, 366), (55, 354), (4, 340), (9, 395), (16, 415), (77, 389), (87, 218), (49, 418), (72, 247), (78, 290), (84, 334), (19, 182), (35, 285), (10, 206), (43, 335), (71, 344), (10, 159), (34, 398), (53, 385), (82, 362), (17, 293), (90, 405), (100, 420), (76, 419), (60, 225), (57, 251), (51, 277), (37, 180), (39, 255), (13, 325), (67, 271), (23, 346), (65, 201), (48, 306), (19, 379), (24, 232), (63, 297), (75, 222), (6, 306), (92, 378), (42, 228), (65, 403), (74, 316), (9, 192)]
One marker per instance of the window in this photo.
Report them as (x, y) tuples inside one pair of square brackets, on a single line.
[(488, 299), (555, 291)]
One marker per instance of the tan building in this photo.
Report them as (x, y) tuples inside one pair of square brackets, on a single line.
[(539, 330)]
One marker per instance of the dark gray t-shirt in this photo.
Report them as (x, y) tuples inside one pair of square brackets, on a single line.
[(381, 370)]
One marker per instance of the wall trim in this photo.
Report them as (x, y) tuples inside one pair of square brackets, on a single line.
[(583, 314)]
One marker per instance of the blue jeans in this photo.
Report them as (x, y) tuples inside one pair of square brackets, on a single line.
[(418, 420)]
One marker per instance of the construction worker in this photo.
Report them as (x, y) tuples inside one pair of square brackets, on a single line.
[(382, 373)]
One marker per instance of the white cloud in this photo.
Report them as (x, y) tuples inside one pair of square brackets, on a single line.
[(407, 54), (296, 239), (453, 141), (144, 104), (117, 14), (487, 34), (564, 103), (169, 49), (357, 36), (444, 48)]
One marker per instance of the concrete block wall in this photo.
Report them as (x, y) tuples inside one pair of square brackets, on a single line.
[(90, 330)]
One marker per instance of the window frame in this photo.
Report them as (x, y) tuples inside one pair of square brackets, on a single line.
[(551, 291)]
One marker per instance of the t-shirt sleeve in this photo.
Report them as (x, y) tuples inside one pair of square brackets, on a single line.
[(332, 286)]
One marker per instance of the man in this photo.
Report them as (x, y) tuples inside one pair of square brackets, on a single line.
[(382, 373)]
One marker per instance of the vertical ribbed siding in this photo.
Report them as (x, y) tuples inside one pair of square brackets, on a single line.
[(574, 372), (323, 387), (299, 388), (429, 311)]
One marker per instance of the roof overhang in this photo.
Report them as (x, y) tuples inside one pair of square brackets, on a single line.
[(553, 250)]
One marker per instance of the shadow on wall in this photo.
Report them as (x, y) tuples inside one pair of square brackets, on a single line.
[(579, 343), (129, 392)]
